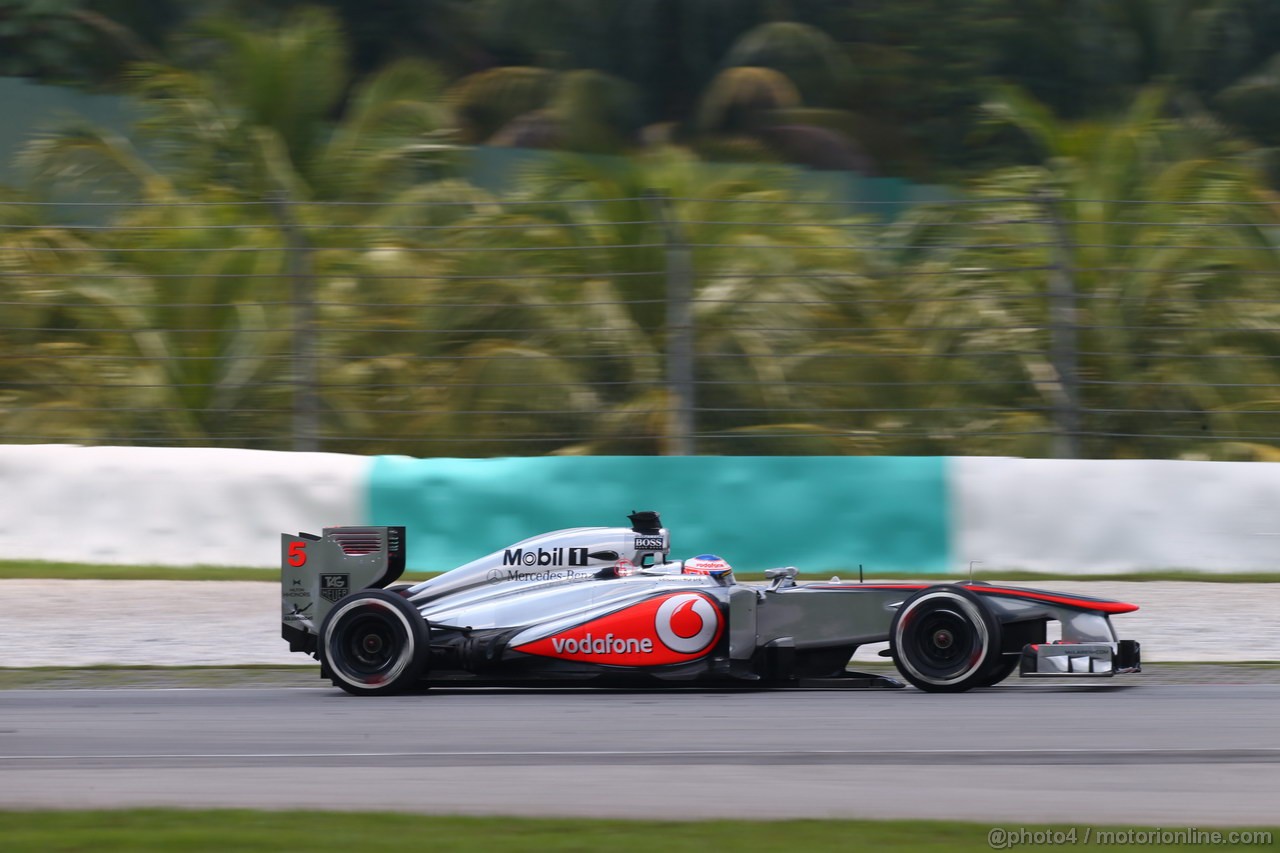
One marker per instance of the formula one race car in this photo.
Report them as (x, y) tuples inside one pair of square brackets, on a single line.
[(604, 606)]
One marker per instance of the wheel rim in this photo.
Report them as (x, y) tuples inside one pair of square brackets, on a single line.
[(944, 641), (941, 639), (370, 645)]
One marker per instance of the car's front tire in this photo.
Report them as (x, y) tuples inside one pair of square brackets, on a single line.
[(374, 643), (943, 639), (1003, 669)]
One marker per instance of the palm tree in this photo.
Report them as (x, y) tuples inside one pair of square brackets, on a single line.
[(1169, 240), (197, 280), (257, 122), (556, 323)]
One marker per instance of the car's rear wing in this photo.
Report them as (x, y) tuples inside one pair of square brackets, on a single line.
[(317, 572)]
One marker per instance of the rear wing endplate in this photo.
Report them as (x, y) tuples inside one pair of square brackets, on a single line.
[(316, 572)]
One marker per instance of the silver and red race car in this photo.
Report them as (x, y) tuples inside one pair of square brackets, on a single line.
[(605, 606)]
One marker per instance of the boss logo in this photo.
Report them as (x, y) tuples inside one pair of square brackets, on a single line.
[(335, 587), (649, 543)]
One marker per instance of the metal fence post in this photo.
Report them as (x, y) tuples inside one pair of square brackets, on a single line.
[(1063, 332), (303, 373), (681, 425)]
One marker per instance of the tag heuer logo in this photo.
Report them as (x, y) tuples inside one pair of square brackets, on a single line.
[(335, 587)]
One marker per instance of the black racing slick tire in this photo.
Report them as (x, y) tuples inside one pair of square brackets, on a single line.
[(943, 639), (374, 643), (1002, 670)]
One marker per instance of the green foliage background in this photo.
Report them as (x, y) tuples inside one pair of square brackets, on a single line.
[(1145, 127)]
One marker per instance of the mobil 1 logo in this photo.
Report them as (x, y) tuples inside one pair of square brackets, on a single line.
[(545, 557), (335, 587)]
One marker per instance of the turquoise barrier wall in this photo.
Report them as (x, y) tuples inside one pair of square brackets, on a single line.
[(823, 514)]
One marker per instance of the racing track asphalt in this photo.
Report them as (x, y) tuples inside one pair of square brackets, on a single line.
[(1119, 752)]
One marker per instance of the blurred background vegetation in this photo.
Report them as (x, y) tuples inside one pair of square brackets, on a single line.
[(1132, 144)]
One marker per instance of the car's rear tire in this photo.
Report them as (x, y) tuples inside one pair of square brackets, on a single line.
[(943, 639), (374, 643)]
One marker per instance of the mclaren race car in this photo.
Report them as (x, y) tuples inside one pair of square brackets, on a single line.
[(605, 606)]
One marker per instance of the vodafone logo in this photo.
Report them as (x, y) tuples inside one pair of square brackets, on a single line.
[(601, 645), (665, 629), (687, 623)]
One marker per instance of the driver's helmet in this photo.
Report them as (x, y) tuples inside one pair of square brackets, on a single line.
[(708, 564)]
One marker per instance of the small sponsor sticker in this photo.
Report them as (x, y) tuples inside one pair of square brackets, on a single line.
[(649, 543), (335, 587)]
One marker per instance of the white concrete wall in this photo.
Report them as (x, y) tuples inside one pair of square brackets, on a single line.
[(170, 506), (1093, 516), (210, 506)]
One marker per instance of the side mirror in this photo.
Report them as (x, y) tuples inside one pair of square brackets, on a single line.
[(782, 577)]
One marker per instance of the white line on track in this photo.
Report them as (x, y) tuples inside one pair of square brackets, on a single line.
[(644, 753)]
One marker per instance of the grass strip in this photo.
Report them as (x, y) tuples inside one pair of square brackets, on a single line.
[(103, 676), (34, 570), (37, 570), (165, 830)]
